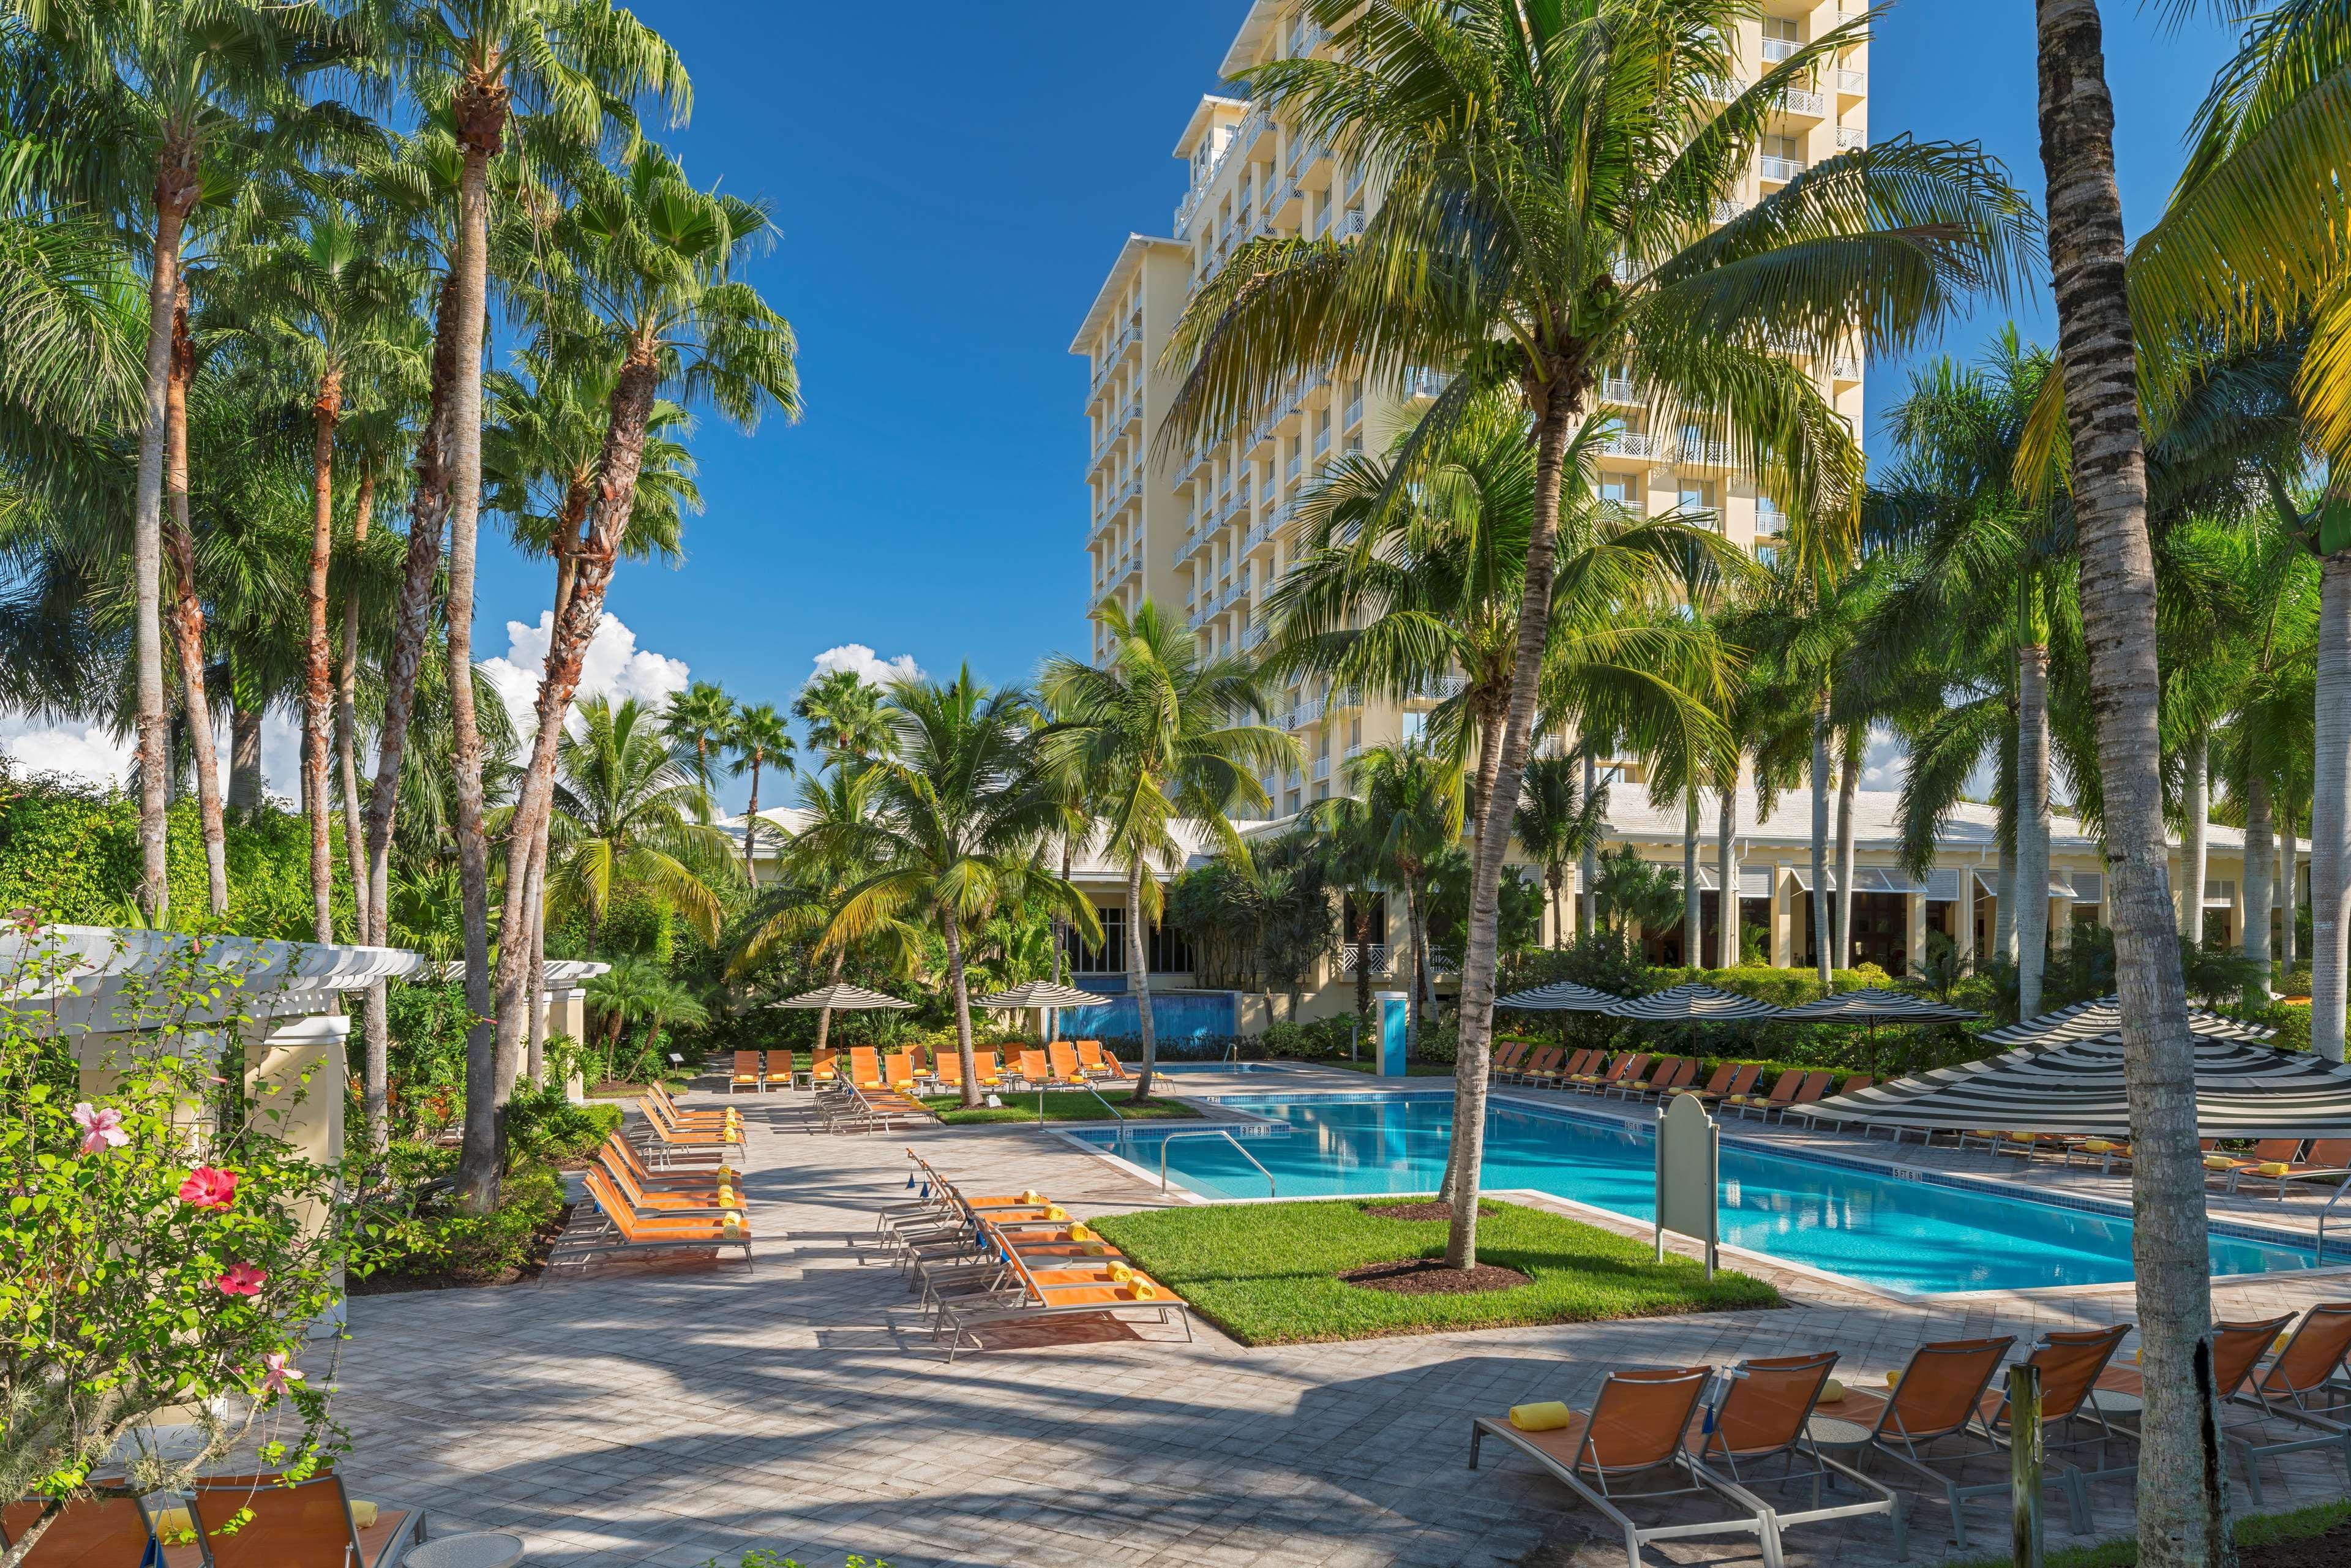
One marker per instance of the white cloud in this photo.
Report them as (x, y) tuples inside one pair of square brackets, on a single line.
[(85, 751), (615, 667), (868, 665), (1886, 763)]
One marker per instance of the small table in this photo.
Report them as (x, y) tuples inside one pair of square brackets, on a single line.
[(474, 1549)]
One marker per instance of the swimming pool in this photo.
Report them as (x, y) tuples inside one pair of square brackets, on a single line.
[(1910, 1235)]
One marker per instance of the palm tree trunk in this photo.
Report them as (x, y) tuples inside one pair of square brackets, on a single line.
[(1556, 876), (2182, 1500), (176, 186), (1488, 714), (2261, 853), (953, 932), (1821, 932), (533, 1054), (2288, 896), (244, 758), (1362, 935), (2195, 852), (477, 1161), (347, 721), (2032, 826), (1587, 871), (188, 612), (1419, 974), (1848, 784), (2330, 810), (1554, 400), (1693, 896), (824, 1025), (317, 662), (630, 411), (1138, 977), (751, 829), (1726, 846)]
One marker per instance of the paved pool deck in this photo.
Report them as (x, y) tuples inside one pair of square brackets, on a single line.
[(673, 1415)]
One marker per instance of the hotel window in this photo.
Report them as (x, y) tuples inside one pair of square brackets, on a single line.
[(1617, 489), (1416, 724), (1696, 496), (1354, 734)]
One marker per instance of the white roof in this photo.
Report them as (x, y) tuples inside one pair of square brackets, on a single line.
[(1875, 813), (1193, 844), (783, 822)]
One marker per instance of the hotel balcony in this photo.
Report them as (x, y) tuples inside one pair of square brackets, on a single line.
[(1849, 137), (1777, 51), (1370, 958), (1802, 104), (1633, 444), (1422, 382), (1779, 170), (1440, 689), (1851, 83), (1321, 769), (1305, 711), (1616, 389)]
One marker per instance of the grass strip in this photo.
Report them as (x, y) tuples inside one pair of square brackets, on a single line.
[(1266, 1272), (2253, 1531), (1061, 1106)]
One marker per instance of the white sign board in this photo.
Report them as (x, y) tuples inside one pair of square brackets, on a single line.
[(1689, 1176)]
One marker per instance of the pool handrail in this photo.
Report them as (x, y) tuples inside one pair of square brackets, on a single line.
[(2325, 1209), (1273, 1189)]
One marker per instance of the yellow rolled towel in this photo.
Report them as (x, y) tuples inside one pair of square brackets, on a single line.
[(1547, 1415), (1096, 1250), (732, 1224), (2272, 1168), (2098, 1146), (1143, 1291), (1031, 1194), (1055, 1211), (362, 1514), (2219, 1162), (1831, 1392), (1894, 1380), (2277, 1345), (1120, 1274)]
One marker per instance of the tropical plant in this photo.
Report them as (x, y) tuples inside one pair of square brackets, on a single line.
[(843, 713), (1553, 174), (956, 833), (1556, 822), (1159, 729), (1414, 799), (1633, 892), (698, 717), (758, 737)]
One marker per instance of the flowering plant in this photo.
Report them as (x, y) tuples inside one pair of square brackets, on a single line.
[(164, 1251)]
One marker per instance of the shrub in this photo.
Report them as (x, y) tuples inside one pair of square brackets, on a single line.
[(434, 1237), (543, 1127)]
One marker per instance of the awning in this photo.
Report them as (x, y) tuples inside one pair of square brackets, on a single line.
[(1866, 879), (2244, 1089), (1754, 880), (1875, 1005), (1562, 997), (1695, 1003)]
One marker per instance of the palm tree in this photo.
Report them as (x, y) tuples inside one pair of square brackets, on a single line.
[(844, 714), (628, 810), (956, 832), (1631, 890), (1162, 730), (758, 736), (1348, 841), (660, 298), (1556, 823), (1415, 798), (185, 85), (1554, 173), (698, 717), (626, 993)]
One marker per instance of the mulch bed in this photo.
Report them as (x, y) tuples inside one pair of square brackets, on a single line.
[(2328, 1550), (1431, 1277), (384, 1282), (1413, 1211)]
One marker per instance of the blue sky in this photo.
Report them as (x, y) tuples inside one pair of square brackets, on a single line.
[(949, 196)]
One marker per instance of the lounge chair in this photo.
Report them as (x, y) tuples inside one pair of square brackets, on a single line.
[(1663, 1085), (2301, 1386), (1543, 1067), (2071, 1362), (1624, 1070), (1662, 1069), (265, 1521), (2225, 1168), (1762, 1415), (1038, 1071), (1814, 1086), (673, 1144), (1092, 1060), (864, 1067), (2103, 1153), (94, 1532), (1032, 1300), (824, 1067), (1066, 1065), (1716, 1085), (2327, 1159), (1112, 1067), (1742, 1083), (714, 1197), (628, 1230), (703, 1180), (991, 1073), (950, 1072), (1635, 1428), (1853, 1085), (727, 1125), (1781, 1094), (695, 1116), (898, 1070), (748, 1071), (779, 1071), (1509, 1054), (1936, 1400), (1593, 1072)]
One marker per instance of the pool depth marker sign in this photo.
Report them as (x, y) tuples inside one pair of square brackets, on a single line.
[(1689, 1176)]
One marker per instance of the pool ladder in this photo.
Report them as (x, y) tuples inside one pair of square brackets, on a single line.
[(2329, 1209), (1273, 1189)]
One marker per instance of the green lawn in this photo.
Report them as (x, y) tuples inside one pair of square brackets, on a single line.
[(1416, 1070), (1265, 1273), (1061, 1106), (2252, 1532)]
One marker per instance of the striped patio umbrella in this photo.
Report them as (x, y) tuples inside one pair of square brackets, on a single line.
[(2244, 1089), (841, 998), (1694, 1003), (2103, 1020), (1562, 997), (1046, 994), (1874, 1005)]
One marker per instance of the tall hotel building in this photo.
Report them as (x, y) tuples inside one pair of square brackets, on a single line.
[(1208, 531)]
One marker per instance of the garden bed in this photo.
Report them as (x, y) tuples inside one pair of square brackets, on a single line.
[(2314, 1537), (1065, 1105), (1268, 1273)]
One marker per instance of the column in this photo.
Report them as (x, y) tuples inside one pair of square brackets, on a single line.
[(1783, 935), (1914, 947), (1963, 913)]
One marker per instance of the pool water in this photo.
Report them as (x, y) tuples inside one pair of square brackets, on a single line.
[(1907, 1236)]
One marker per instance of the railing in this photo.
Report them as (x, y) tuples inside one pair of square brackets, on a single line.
[(1727, 208), (1422, 381), (1631, 443), (1722, 89), (1782, 170), (1438, 689), (1702, 454), (1778, 49), (1272, 1188), (1367, 957), (1844, 367), (1308, 710), (1852, 81), (1849, 137), (1294, 781), (1254, 635), (1803, 100), (1322, 769), (1352, 223), (1617, 388), (2323, 1213)]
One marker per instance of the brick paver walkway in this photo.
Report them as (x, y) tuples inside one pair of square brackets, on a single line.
[(673, 1416)]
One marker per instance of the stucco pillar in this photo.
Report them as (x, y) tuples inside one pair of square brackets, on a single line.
[(1783, 934), (1914, 944)]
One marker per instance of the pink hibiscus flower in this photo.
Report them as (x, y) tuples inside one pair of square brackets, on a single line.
[(276, 1372), (99, 1129), (208, 1187), (241, 1279)]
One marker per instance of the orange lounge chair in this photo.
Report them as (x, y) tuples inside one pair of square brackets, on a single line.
[(747, 1073), (1092, 1060), (673, 1143), (2225, 1168), (1114, 1069), (898, 1069), (1596, 1071), (1742, 1083), (1635, 1428), (265, 1521), (950, 1074), (991, 1073), (1509, 1054), (93, 1533), (1782, 1093), (2071, 1362), (779, 1071), (1853, 1085), (709, 1200), (629, 1230), (1031, 1299), (1938, 1399), (1543, 1067), (1716, 1085), (824, 1067), (1631, 1085), (703, 1181), (2326, 1157), (727, 1125), (1761, 1422), (2300, 1386), (1037, 1071), (1664, 1085), (1626, 1067), (864, 1067), (1066, 1065), (697, 1116)]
